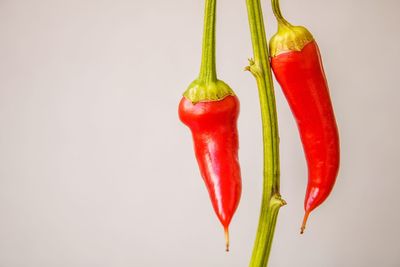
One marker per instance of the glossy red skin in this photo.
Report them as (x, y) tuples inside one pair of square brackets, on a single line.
[(215, 137), (301, 76)]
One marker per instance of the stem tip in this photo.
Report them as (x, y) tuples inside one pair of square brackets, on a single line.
[(303, 225), (227, 239)]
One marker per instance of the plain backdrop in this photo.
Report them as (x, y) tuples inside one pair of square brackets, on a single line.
[(96, 169)]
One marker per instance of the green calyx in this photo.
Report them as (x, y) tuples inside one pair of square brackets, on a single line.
[(201, 91), (289, 37)]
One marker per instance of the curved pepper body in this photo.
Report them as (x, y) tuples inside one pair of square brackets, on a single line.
[(302, 78), (215, 137)]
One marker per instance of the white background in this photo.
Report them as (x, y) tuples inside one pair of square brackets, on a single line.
[(96, 169)]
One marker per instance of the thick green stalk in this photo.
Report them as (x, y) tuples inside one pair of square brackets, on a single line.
[(208, 71), (271, 199)]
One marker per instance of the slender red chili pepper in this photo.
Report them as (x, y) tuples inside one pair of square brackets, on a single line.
[(210, 109), (297, 65)]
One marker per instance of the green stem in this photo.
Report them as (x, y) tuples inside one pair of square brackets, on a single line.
[(208, 71), (271, 199), (282, 22)]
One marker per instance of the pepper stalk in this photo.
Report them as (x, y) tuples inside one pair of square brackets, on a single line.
[(207, 87), (271, 198)]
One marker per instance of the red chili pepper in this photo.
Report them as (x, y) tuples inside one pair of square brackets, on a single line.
[(210, 109), (215, 137), (297, 66)]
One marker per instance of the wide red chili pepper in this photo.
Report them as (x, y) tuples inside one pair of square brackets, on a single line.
[(215, 137), (210, 109), (297, 65)]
